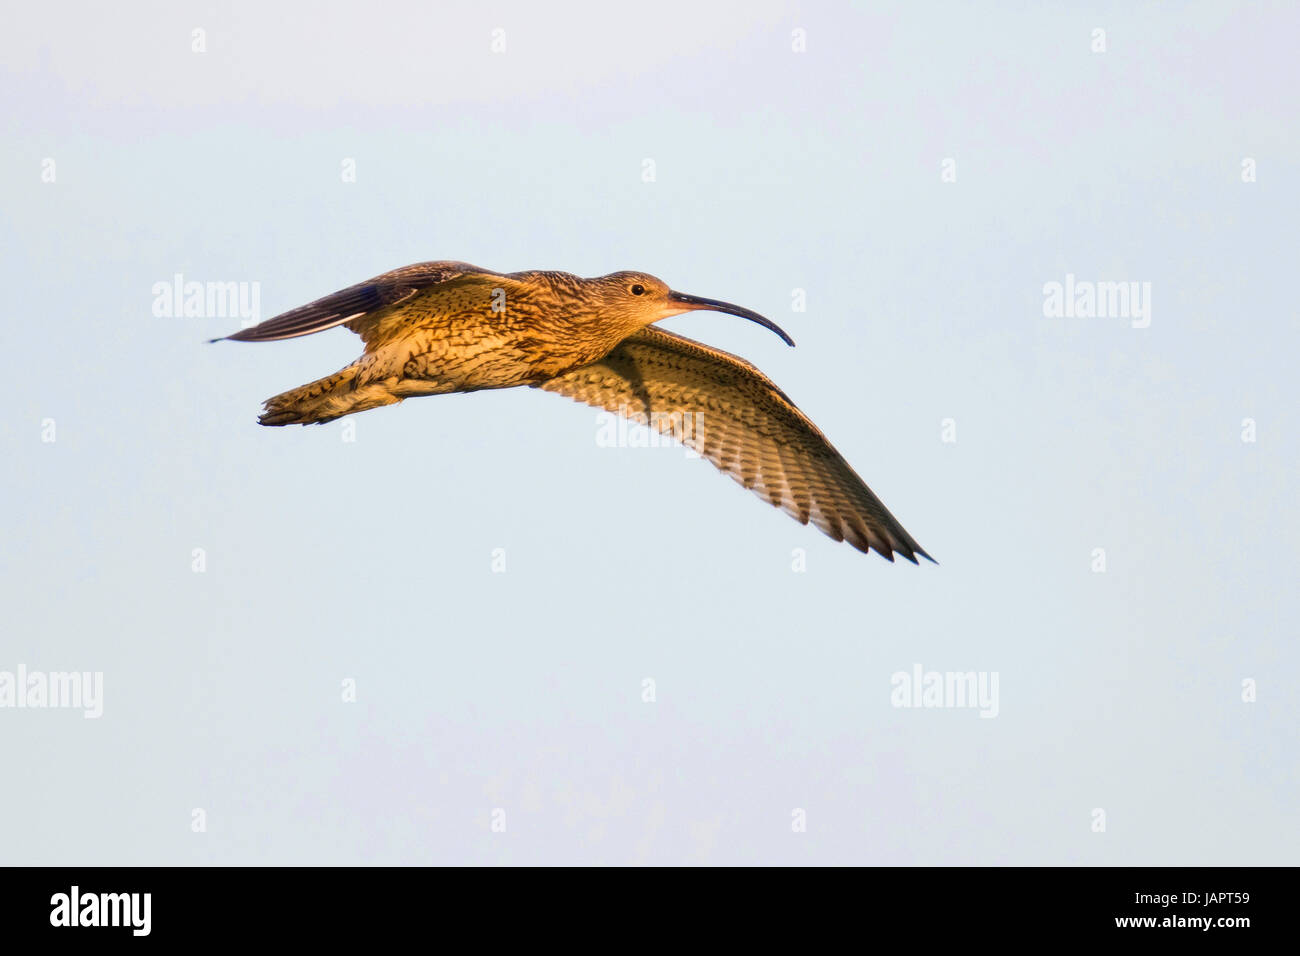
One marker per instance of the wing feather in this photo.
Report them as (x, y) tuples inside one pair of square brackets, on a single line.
[(360, 306), (747, 427)]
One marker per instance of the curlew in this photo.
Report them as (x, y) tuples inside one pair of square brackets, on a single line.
[(439, 327)]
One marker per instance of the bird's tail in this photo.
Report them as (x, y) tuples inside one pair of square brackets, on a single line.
[(325, 400)]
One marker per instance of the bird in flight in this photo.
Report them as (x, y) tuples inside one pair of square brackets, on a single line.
[(438, 327)]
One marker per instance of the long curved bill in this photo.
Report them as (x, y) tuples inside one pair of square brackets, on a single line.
[(692, 302)]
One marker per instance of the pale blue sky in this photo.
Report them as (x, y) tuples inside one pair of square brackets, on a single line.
[(371, 560)]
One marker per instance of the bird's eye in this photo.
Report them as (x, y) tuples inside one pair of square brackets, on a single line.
[(638, 289)]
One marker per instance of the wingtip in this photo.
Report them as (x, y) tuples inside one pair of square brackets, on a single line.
[(912, 552)]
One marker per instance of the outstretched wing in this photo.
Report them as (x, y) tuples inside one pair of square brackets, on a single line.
[(359, 306), (734, 416)]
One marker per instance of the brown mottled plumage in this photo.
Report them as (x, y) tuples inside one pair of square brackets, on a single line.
[(442, 327)]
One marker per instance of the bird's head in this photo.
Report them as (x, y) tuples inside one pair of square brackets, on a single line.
[(641, 299)]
